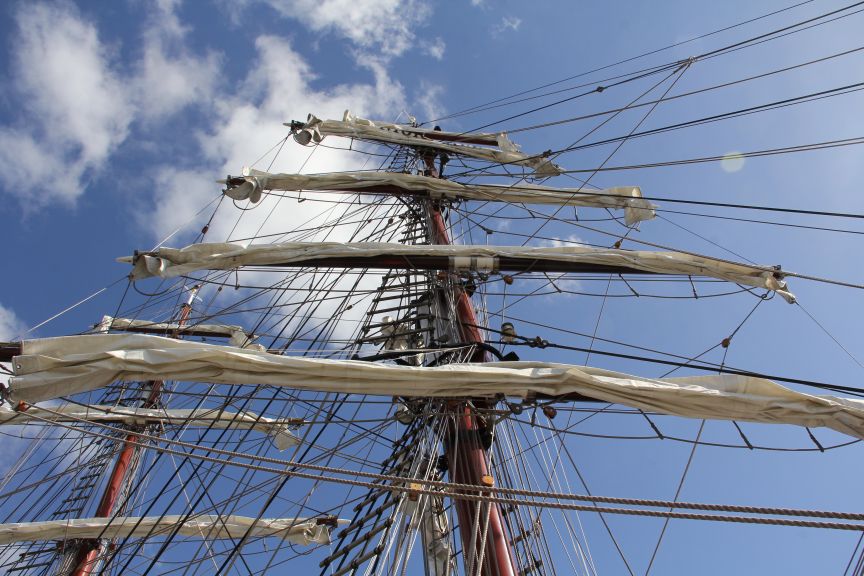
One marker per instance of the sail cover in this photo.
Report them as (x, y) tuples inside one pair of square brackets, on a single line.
[(53, 367), (636, 209), (297, 531), (200, 417), (172, 262), (315, 129)]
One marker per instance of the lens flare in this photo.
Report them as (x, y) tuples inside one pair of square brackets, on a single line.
[(732, 162)]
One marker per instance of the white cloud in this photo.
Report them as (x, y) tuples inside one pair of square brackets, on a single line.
[(429, 100), (386, 26), (177, 197), (571, 240), (249, 122), (76, 109), (169, 77), (508, 23), (10, 325), (435, 48), (477, 2), (77, 106)]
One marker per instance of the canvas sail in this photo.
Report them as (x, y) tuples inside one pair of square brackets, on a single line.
[(277, 429), (237, 335), (172, 262), (628, 198), (54, 367), (315, 130), (297, 531)]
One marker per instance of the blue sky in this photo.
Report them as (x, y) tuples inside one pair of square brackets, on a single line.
[(118, 117)]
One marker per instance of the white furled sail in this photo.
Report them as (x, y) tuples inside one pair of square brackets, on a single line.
[(301, 531), (636, 209), (315, 129), (237, 335), (277, 429), (172, 262), (54, 367), (499, 139)]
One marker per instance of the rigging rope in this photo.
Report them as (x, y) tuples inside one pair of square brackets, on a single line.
[(449, 487)]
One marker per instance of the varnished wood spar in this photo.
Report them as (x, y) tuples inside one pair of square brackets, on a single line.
[(504, 264), (9, 350), (466, 455), (181, 330)]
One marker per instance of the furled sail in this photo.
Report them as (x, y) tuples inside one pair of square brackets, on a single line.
[(301, 531), (315, 129), (237, 335), (483, 138), (54, 367), (253, 182), (172, 262), (277, 429)]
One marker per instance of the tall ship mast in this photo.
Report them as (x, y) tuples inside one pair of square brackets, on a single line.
[(376, 392)]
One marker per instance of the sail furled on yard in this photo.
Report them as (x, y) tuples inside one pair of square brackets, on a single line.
[(237, 335), (300, 531), (54, 367), (173, 262), (253, 182), (503, 152), (215, 418)]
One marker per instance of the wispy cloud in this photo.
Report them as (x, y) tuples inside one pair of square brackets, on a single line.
[(507, 24), (76, 111), (248, 122), (435, 48), (429, 100), (78, 104), (168, 77), (10, 327), (385, 27)]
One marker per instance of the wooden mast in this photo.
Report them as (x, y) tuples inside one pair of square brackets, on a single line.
[(465, 452), (90, 550)]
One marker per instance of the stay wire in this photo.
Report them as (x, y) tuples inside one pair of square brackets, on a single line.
[(293, 467), (675, 499), (673, 66), (773, 35), (702, 365), (686, 94), (854, 555), (680, 72), (766, 222), (804, 98), (827, 333), (810, 147), (618, 63)]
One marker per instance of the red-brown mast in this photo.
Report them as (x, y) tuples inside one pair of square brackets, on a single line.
[(466, 455), (90, 550)]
